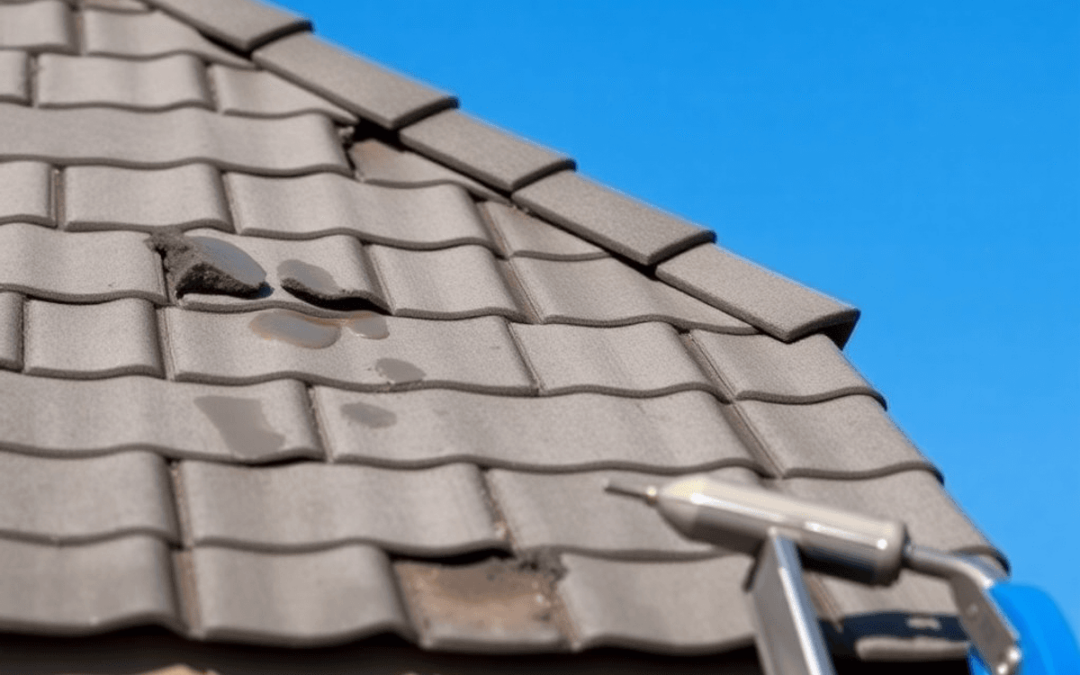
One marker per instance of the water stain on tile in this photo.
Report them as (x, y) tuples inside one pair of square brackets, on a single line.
[(296, 329), (308, 282), (242, 424), (370, 415), (207, 265), (398, 371), (369, 325)]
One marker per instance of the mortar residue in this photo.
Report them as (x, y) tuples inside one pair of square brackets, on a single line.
[(207, 265)]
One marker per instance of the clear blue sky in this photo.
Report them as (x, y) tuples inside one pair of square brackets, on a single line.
[(918, 159)]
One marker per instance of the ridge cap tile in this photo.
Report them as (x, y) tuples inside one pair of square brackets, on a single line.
[(242, 24)]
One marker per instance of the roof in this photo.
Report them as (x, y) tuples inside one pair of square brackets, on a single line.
[(295, 354)]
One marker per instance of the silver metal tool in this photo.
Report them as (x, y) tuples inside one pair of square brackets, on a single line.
[(784, 533)]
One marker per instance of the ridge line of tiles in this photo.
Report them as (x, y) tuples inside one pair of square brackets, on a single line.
[(244, 25)]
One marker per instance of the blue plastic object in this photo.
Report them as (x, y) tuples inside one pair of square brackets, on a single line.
[(1046, 643)]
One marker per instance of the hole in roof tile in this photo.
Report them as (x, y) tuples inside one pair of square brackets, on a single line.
[(305, 280), (370, 415), (207, 265), (369, 325), (295, 328), (398, 371), (242, 424)]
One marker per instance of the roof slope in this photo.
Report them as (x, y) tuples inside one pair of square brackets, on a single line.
[(438, 342)]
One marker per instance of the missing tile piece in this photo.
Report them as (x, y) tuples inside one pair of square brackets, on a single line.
[(207, 265)]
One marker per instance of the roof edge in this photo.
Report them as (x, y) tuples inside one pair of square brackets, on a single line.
[(244, 25)]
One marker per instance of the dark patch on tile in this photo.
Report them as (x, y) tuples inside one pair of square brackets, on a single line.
[(370, 415), (544, 561), (242, 424), (308, 282), (398, 371), (369, 325), (295, 328), (207, 265)]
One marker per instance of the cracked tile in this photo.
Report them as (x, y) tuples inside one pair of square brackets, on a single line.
[(157, 84)]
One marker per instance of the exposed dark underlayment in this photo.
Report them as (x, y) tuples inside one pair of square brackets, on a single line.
[(207, 265)]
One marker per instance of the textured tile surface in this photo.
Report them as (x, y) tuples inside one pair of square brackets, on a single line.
[(40, 26), (322, 204), (92, 341), (778, 306), (157, 84), (522, 235), (14, 84), (359, 85), (675, 607), (455, 282), (266, 422), (380, 164), (109, 198), (72, 589), (27, 193), (608, 218), (261, 94), (644, 359), (225, 348), (87, 267), (679, 432), (482, 151), (77, 500), (11, 331), (241, 24), (146, 35), (607, 292), (296, 599), (311, 506)]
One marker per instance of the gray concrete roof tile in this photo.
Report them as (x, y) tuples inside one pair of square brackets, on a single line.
[(680, 607), (14, 80), (644, 359), (40, 26), (310, 506), (778, 306), (241, 24), (28, 192), (482, 151), (298, 599), (156, 84), (110, 198), (524, 236), (849, 437), (475, 354), (92, 341), (611, 219), (115, 5), (680, 432), (450, 283), (321, 204), (257, 93), (265, 422), (11, 331), (88, 267), (366, 88), (380, 164), (65, 501), (608, 292), (151, 34), (759, 367), (72, 589)]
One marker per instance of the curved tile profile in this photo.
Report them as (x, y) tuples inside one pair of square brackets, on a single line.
[(27, 196), (644, 359), (311, 506), (297, 599), (523, 236), (301, 144), (684, 607), (40, 26), (322, 204), (72, 589), (380, 164), (50, 417), (607, 292), (157, 84), (475, 354), (91, 267), (92, 341), (257, 93), (780, 307), (760, 367), (111, 198), (148, 34), (66, 501), (14, 77), (241, 24), (11, 331), (676, 433), (116, 5)]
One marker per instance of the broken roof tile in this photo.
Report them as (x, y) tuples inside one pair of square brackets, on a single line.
[(450, 283), (611, 219), (27, 194), (39, 26), (156, 84), (482, 151), (258, 93), (158, 140), (110, 198), (321, 204), (679, 432), (608, 292), (679, 607), (14, 81), (297, 599), (364, 87), (11, 331), (380, 164), (759, 367), (92, 341), (66, 501), (90, 267), (524, 236), (146, 35), (261, 423), (309, 506), (780, 307), (473, 354), (72, 589), (241, 24), (644, 359)]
